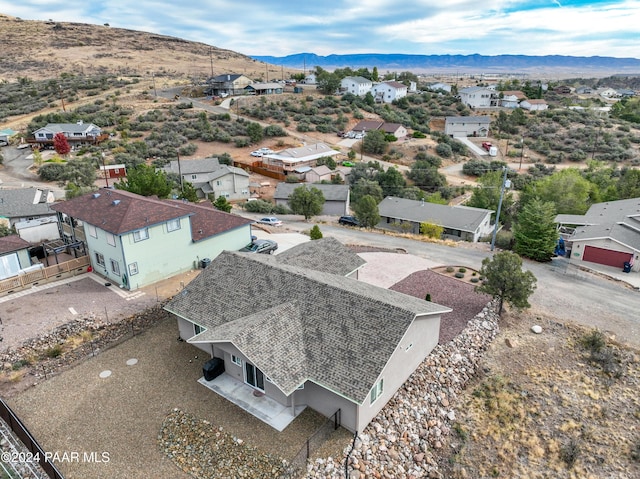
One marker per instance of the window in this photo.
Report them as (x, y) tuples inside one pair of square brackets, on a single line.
[(197, 329), (236, 360), (133, 269), (141, 235), (218, 183), (376, 392), (92, 231), (194, 177), (173, 225), (111, 240), (408, 347), (115, 267), (100, 259)]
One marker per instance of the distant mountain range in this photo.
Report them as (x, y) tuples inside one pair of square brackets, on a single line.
[(602, 66)]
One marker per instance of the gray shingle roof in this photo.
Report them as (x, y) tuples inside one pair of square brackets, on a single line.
[(618, 220), (24, 202), (297, 324), (11, 243), (326, 254), (190, 167), (330, 192), (468, 119), (463, 218)]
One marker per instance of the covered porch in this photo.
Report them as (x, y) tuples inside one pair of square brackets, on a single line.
[(253, 401)]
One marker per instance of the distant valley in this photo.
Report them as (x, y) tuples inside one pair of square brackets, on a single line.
[(552, 65)]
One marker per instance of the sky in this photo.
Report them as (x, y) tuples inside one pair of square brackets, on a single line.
[(425, 27)]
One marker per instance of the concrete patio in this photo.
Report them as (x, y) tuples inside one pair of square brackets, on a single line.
[(258, 405)]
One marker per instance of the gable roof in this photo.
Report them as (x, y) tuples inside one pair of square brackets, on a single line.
[(190, 167), (390, 127), (368, 125), (297, 324), (325, 254), (468, 119), (463, 218), (24, 202), (618, 220), (11, 243), (321, 170), (120, 212), (79, 127), (305, 152), (517, 93), (330, 192), (357, 79), (394, 84)]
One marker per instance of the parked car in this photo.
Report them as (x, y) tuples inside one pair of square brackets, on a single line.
[(348, 163), (3, 143), (270, 220), (262, 152), (349, 221), (264, 246)]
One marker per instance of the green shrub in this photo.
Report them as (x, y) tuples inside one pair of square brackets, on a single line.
[(315, 233), (459, 275), (474, 280), (258, 206), (427, 297), (462, 270), (450, 269)]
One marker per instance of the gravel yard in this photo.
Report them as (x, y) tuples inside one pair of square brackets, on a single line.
[(123, 414)]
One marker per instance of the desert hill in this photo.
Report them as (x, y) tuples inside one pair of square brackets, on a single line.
[(45, 49)]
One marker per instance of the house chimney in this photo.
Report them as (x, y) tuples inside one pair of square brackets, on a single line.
[(79, 122), (228, 77), (115, 202), (96, 195)]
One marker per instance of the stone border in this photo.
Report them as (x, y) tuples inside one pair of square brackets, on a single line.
[(402, 439)]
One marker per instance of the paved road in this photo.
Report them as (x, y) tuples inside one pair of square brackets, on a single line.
[(564, 292), (15, 172)]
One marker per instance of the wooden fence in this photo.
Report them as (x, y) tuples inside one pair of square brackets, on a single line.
[(44, 275)]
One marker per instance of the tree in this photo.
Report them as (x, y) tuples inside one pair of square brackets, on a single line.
[(315, 233), (61, 144), (5, 230), (431, 230), (391, 181), (366, 210), (425, 176), (146, 181), (255, 132), (487, 196), (80, 171), (221, 203), (374, 142), (365, 187), (535, 232), (188, 192), (306, 201), (567, 189), (505, 280), (328, 83)]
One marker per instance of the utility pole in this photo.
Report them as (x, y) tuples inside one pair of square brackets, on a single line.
[(495, 229), (153, 78), (180, 173), (104, 170), (521, 152), (211, 59)]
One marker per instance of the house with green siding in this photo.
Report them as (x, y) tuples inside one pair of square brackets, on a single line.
[(136, 240)]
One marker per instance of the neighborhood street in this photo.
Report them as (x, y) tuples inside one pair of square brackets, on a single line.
[(563, 292)]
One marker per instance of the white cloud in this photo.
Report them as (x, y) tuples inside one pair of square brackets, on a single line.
[(279, 27)]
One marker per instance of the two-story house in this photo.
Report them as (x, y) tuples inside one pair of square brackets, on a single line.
[(356, 85), (208, 176), (478, 97), (136, 240), (386, 92), (227, 84), (461, 126)]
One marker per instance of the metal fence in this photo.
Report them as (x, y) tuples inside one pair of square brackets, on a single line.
[(298, 464), (28, 440)]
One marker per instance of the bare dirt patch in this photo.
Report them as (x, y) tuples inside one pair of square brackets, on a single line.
[(548, 405)]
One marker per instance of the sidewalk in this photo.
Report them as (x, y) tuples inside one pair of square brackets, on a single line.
[(631, 279)]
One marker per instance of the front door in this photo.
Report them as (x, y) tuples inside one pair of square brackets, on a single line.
[(253, 376)]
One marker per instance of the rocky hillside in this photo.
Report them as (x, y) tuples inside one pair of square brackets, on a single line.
[(45, 49)]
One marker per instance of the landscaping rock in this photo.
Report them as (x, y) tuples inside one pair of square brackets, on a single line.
[(536, 329)]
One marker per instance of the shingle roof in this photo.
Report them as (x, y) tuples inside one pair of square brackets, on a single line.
[(297, 324), (618, 220), (11, 243), (463, 218), (325, 254), (190, 167), (330, 192), (24, 202), (69, 127), (468, 119), (119, 212)]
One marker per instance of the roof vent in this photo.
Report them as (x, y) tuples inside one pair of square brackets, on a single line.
[(115, 202), (96, 195)]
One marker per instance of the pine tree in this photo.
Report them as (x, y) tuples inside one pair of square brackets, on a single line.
[(535, 232)]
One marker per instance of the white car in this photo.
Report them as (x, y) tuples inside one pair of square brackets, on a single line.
[(262, 152), (270, 220)]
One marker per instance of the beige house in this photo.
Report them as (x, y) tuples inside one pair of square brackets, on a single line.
[(295, 336), (289, 160)]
